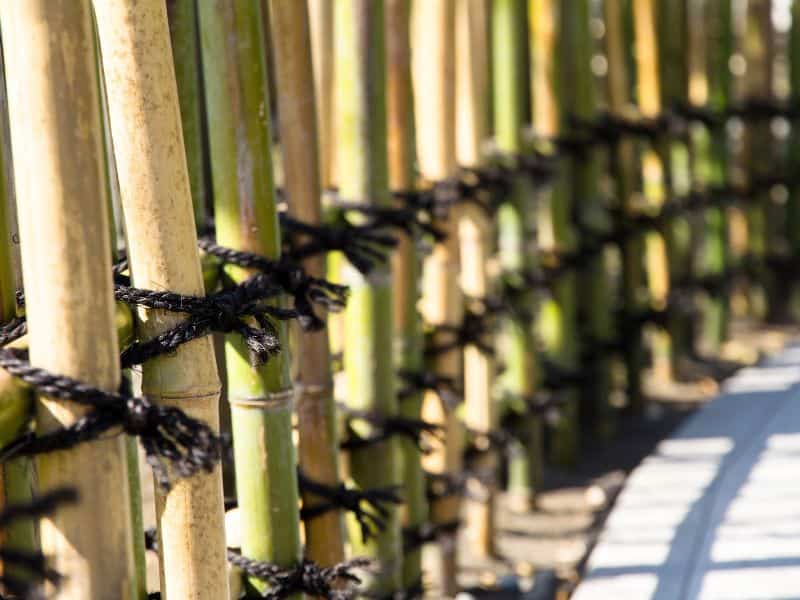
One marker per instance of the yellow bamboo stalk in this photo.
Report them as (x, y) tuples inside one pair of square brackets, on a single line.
[(157, 206), (66, 262), (433, 70), (475, 232), (314, 389)]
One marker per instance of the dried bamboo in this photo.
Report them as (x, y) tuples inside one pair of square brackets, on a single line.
[(369, 368), (155, 192), (318, 444), (408, 341), (433, 70), (475, 233), (322, 51), (66, 261)]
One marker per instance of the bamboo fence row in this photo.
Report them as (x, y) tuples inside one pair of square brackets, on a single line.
[(513, 210)]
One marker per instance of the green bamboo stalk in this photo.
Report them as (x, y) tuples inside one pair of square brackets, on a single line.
[(246, 219), (316, 423), (594, 303), (793, 206), (554, 50), (182, 15), (408, 339), (711, 152), (362, 177), (16, 403), (624, 170), (516, 341)]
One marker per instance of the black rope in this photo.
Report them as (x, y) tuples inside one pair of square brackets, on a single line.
[(472, 330), (425, 533), (420, 381), (369, 507), (306, 577), (34, 563), (385, 426), (168, 435)]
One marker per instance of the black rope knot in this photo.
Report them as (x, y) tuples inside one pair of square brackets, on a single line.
[(369, 507), (306, 577), (419, 381), (385, 426)]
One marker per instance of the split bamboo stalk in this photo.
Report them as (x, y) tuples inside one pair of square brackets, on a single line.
[(16, 403), (234, 63), (66, 262), (655, 175), (318, 443), (594, 303), (758, 47), (624, 169), (183, 31), (433, 72), (513, 222), (475, 233), (408, 340), (157, 208), (553, 52), (362, 177), (713, 30)]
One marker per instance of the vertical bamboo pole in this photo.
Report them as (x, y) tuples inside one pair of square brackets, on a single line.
[(793, 207), (318, 444), (182, 16), (408, 341), (554, 47), (513, 221), (433, 70), (624, 167), (156, 201), (713, 26), (758, 48), (66, 261), (322, 52), (16, 402), (246, 219), (475, 232), (362, 176), (594, 305), (655, 174)]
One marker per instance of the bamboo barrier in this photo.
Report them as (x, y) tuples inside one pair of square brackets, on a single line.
[(793, 205), (476, 250), (369, 366), (433, 70), (156, 201), (408, 335), (66, 262), (318, 443)]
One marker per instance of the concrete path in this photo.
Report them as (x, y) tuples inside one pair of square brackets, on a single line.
[(714, 513)]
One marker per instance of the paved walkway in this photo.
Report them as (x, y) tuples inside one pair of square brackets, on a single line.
[(714, 513)]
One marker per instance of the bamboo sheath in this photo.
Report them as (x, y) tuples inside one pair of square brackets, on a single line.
[(408, 342), (475, 232), (318, 444), (66, 260), (433, 70), (624, 166), (162, 248), (363, 177)]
